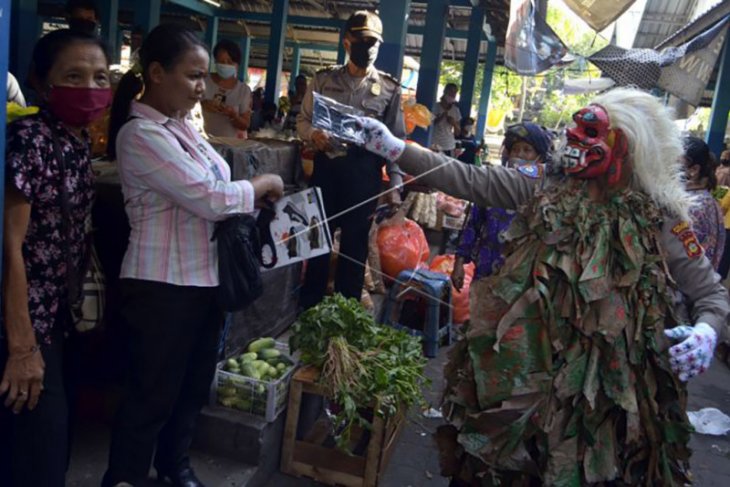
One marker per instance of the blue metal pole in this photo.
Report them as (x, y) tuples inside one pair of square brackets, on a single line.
[(431, 51), (486, 89), (395, 28), (471, 61), (5, 11), (720, 103), (341, 53), (211, 32), (147, 14), (23, 37), (109, 11), (296, 62), (245, 55), (276, 50)]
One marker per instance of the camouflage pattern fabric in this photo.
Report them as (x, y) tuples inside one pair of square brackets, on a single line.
[(563, 375)]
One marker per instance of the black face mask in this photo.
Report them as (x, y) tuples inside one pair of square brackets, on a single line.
[(363, 54), (83, 25)]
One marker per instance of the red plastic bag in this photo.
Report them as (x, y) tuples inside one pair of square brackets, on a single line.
[(460, 300), (401, 247)]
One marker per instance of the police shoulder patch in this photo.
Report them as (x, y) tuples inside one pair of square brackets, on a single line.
[(532, 171), (684, 233)]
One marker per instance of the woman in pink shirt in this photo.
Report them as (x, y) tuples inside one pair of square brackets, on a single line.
[(175, 188)]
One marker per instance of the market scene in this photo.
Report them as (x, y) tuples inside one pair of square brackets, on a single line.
[(464, 243)]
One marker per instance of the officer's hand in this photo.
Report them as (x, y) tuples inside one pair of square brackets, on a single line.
[(693, 354), (392, 198), (380, 141), (321, 141)]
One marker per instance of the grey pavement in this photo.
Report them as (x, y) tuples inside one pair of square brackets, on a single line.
[(415, 459)]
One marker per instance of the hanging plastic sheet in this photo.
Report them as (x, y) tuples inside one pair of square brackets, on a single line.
[(531, 45), (598, 15), (682, 71)]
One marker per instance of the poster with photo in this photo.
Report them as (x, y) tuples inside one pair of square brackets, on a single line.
[(297, 231)]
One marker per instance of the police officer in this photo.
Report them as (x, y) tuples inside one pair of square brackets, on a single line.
[(350, 176)]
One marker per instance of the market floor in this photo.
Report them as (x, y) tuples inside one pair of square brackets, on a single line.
[(415, 459)]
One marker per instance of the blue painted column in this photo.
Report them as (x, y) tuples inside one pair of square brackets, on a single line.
[(720, 103), (245, 56), (109, 13), (471, 62), (5, 12), (395, 28), (147, 14), (296, 62), (341, 53), (486, 88), (276, 50), (23, 36), (432, 49), (211, 34)]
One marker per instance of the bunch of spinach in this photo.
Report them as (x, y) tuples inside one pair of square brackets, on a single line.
[(362, 363)]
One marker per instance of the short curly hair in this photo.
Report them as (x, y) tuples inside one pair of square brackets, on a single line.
[(230, 47)]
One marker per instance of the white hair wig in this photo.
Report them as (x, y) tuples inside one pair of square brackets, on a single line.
[(655, 147)]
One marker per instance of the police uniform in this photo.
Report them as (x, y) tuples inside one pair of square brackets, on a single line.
[(348, 179), (500, 187)]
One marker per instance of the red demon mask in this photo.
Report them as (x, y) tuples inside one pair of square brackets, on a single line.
[(593, 147)]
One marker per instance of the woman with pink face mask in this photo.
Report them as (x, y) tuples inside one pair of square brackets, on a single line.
[(48, 197)]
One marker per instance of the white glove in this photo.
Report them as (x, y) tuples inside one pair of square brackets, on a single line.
[(693, 354), (380, 141)]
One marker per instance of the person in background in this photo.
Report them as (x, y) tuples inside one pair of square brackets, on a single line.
[(351, 178), (269, 117), (227, 101), (135, 42), (44, 246), (14, 94), (468, 141), (175, 187), (82, 16), (723, 171), (525, 146), (706, 214), (724, 267), (297, 96), (446, 122)]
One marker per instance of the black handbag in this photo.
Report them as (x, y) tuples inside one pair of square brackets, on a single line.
[(239, 262)]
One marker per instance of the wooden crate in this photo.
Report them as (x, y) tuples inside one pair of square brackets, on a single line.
[(315, 457)]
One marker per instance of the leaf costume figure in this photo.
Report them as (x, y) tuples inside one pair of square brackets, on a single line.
[(571, 371)]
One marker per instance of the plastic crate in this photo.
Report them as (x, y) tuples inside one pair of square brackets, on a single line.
[(266, 399)]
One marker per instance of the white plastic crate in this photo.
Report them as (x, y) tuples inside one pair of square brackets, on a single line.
[(262, 398)]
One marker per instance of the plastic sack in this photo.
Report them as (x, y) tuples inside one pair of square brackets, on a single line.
[(402, 246), (460, 300), (416, 115), (15, 111), (709, 421)]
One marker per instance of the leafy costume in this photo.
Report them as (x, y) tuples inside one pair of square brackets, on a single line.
[(563, 377)]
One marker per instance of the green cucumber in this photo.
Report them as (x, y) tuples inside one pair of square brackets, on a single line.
[(248, 357), (261, 344), (269, 353)]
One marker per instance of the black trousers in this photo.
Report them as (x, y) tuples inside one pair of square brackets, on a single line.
[(35, 445), (174, 333), (345, 182)]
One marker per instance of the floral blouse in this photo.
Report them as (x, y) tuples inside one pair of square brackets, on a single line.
[(709, 226), (31, 167), (480, 241)]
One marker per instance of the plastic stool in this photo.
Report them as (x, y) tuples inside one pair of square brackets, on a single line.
[(435, 289)]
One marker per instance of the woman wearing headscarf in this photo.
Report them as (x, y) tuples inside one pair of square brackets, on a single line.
[(525, 147)]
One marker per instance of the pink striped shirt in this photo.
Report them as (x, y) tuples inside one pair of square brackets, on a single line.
[(175, 187)]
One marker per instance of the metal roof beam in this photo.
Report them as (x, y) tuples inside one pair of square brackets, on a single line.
[(197, 7)]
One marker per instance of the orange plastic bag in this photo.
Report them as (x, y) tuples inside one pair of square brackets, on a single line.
[(402, 247), (460, 300)]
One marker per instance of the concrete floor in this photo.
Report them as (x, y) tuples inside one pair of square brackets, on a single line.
[(415, 461)]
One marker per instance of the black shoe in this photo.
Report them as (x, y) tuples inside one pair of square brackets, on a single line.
[(184, 477)]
